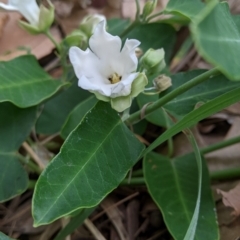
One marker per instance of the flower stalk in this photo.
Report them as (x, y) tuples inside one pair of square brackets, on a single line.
[(135, 117)]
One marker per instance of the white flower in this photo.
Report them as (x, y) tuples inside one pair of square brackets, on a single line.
[(40, 19), (28, 8), (107, 70)]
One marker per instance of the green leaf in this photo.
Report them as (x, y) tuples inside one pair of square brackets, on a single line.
[(116, 25), (24, 83), (77, 114), (74, 223), (208, 90), (187, 8), (217, 38), (15, 125), (56, 109), (157, 117), (4, 237), (93, 161), (13, 178), (148, 35), (197, 115), (173, 184)]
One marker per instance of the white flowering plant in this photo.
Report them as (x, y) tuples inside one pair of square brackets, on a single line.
[(71, 141)]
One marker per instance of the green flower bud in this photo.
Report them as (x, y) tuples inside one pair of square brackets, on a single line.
[(162, 82), (45, 20), (89, 23), (76, 38), (149, 7), (153, 61)]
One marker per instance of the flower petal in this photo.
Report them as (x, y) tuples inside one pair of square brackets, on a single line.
[(121, 103), (8, 7), (103, 44), (123, 88), (128, 56)]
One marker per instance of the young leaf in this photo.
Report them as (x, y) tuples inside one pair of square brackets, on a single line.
[(173, 184), (24, 83), (93, 161), (75, 117), (13, 178), (217, 38)]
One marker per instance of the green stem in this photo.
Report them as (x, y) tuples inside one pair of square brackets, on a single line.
[(220, 145), (135, 117), (49, 35), (138, 9), (31, 184), (154, 15), (133, 181), (129, 28), (225, 174), (30, 164)]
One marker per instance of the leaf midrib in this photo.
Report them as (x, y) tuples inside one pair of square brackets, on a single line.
[(90, 157)]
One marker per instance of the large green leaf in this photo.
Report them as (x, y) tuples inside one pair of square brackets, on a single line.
[(77, 114), (15, 125), (173, 184), (197, 115), (13, 177), (217, 38), (115, 26), (94, 159), (187, 8), (56, 109), (24, 83), (186, 102), (155, 35)]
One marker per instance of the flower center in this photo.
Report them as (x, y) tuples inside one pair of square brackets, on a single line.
[(115, 78)]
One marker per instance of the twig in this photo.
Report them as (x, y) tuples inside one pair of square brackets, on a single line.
[(33, 155), (95, 232)]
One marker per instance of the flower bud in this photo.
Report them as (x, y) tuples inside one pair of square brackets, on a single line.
[(153, 61), (76, 38), (149, 7), (162, 82), (89, 23), (45, 20)]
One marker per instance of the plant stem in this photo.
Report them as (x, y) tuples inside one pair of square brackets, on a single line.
[(135, 117), (30, 164), (220, 145), (154, 15), (133, 181), (49, 35), (138, 9), (225, 174), (31, 184), (129, 28)]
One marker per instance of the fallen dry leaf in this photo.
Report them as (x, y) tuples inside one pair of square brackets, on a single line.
[(232, 199), (3, 20), (15, 41)]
